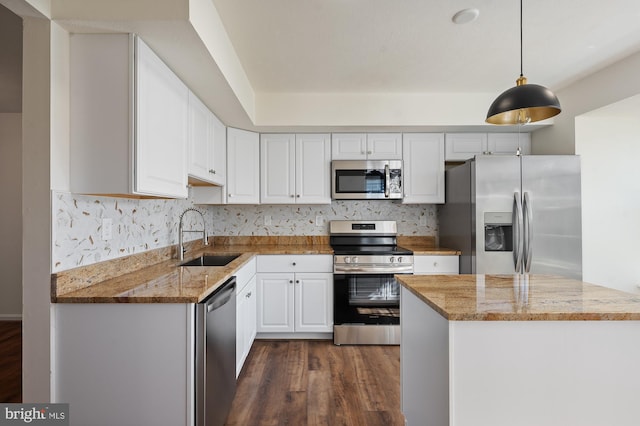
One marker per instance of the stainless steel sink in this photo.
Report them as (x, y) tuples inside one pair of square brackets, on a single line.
[(211, 260)]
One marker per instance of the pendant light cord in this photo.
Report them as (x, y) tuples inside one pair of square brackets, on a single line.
[(521, 38)]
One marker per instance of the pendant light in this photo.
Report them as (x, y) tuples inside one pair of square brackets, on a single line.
[(524, 103)]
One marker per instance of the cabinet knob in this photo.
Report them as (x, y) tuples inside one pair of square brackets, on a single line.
[(294, 263), (297, 281), (290, 281), (291, 195), (298, 196), (368, 152), (212, 171), (248, 295), (230, 195), (435, 264)]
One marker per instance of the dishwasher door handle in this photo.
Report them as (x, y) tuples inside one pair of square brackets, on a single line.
[(220, 299)]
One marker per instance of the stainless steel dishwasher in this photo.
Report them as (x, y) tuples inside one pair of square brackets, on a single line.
[(216, 355)]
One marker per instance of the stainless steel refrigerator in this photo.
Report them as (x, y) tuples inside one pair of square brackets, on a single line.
[(514, 214)]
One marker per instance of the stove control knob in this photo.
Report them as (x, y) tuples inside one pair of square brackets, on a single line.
[(355, 259), (392, 259), (400, 259), (347, 259)]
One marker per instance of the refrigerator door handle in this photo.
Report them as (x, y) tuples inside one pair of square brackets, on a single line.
[(528, 232), (516, 218)]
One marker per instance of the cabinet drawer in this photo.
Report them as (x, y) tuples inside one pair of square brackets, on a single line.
[(295, 263), (435, 264), (244, 275)]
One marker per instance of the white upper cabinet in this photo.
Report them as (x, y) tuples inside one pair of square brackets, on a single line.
[(295, 169), (362, 146), (243, 167), (207, 145), (219, 170), (423, 162), (384, 146), (129, 119), (508, 143), (463, 146)]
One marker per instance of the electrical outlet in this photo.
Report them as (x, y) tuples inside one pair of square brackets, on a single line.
[(267, 220), (107, 228), (319, 220), (423, 220)]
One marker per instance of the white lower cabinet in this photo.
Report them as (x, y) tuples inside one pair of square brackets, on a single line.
[(245, 322), (245, 312), (436, 264), (295, 294)]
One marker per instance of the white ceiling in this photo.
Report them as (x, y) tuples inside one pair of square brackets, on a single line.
[(401, 46)]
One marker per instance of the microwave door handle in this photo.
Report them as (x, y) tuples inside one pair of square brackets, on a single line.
[(387, 179)]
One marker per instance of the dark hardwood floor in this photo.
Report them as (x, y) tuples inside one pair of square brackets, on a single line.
[(10, 361), (318, 383)]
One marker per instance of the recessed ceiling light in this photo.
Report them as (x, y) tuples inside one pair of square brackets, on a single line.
[(465, 16)]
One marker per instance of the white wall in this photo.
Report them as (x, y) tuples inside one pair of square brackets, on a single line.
[(607, 141), (36, 210), (612, 84), (11, 216)]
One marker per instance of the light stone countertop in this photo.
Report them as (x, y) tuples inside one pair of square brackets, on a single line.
[(520, 298)]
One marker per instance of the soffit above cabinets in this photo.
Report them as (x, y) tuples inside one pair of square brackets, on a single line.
[(329, 65)]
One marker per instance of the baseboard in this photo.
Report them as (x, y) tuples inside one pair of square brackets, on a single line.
[(10, 317)]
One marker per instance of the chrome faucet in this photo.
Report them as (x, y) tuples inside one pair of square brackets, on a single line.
[(181, 249)]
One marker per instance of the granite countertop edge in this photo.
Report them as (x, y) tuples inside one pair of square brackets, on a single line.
[(137, 286), (572, 301)]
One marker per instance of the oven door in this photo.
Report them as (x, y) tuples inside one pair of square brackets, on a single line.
[(366, 299), (366, 179)]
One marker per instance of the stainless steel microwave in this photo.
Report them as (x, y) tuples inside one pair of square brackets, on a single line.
[(364, 179)]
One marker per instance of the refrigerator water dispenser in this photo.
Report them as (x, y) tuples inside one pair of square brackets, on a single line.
[(498, 231)]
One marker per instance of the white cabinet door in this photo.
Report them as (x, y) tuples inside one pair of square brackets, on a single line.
[(245, 322), (295, 169), (314, 302), (277, 171), (128, 119), (463, 146), (161, 127), (349, 146), (313, 168), (508, 143), (384, 146), (200, 139), (218, 169), (275, 302), (436, 264), (362, 146), (251, 315), (423, 173), (243, 167)]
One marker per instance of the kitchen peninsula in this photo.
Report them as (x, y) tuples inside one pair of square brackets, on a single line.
[(518, 349)]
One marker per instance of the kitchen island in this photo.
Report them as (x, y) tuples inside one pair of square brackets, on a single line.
[(518, 350)]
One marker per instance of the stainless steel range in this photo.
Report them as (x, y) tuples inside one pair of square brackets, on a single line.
[(366, 301)]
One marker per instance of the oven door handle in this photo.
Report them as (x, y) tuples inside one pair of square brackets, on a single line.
[(387, 180)]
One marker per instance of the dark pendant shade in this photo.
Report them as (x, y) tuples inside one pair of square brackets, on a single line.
[(524, 103)]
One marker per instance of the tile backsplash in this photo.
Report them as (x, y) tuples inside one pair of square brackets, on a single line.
[(301, 220), (140, 225)]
